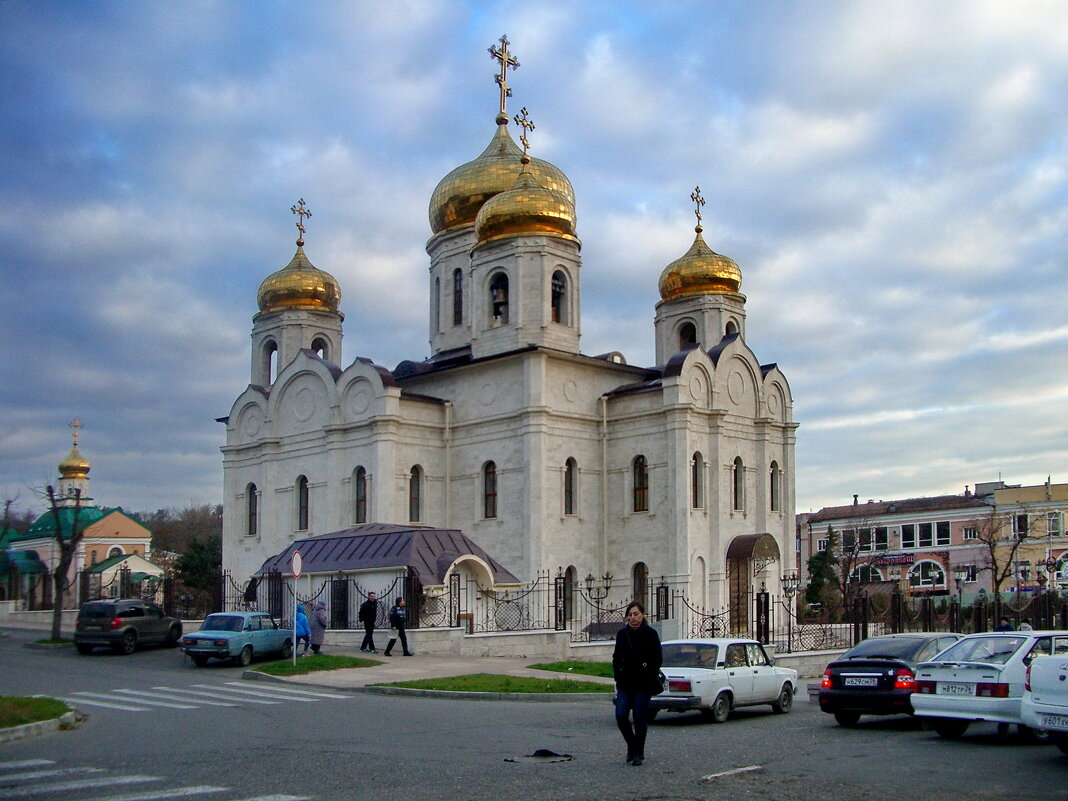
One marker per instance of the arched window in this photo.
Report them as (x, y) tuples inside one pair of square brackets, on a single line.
[(927, 574), (866, 574), (697, 477), (570, 486), (499, 298), (738, 480), (775, 484), (359, 480), (252, 509), (640, 584), (732, 327), (457, 297), (640, 475), (270, 360), (116, 551), (415, 498), (687, 335), (302, 503), (489, 490), (559, 298), (322, 347), (570, 577)]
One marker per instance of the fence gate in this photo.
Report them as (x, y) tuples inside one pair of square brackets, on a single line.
[(339, 603)]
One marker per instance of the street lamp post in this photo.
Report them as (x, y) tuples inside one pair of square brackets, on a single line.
[(791, 582), (960, 574), (597, 590)]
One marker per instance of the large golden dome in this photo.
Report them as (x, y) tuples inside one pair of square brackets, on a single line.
[(460, 194), (701, 271), (299, 285), (525, 209), (75, 465)]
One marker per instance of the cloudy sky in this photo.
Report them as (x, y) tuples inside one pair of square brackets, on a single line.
[(892, 179)]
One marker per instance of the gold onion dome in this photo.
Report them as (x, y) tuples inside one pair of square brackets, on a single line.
[(75, 465), (460, 194), (701, 271), (299, 285), (526, 209)]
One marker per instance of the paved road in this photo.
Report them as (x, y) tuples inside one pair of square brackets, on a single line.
[(363, 746)]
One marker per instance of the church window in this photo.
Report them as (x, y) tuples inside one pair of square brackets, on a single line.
[(775, 484), (302, 503), (320, 346), (640, 583), (732, 327), (116, 551), (697, 474), (360, 495), (640, 475), (570, 486), (559, 298), (489, 490), (687, 335), (499, 298), (570, 578), (415, 496), (270, 361), (457, 297), (252, 510), (738, 481)]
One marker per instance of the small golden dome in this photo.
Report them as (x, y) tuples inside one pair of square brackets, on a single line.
[(701, 271), (460, 194), (299, 285), (75, 465), (525, 209)]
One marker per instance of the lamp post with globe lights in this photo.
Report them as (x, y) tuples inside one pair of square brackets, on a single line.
[(791, 583)]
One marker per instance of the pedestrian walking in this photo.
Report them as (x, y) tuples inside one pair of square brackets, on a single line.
[(1003, 625), (319, 624), (368, 615), (1025, 625), (397, 621), (636, 664), (301, 630)]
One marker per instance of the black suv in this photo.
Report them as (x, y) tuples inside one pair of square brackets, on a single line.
[(123, 624)]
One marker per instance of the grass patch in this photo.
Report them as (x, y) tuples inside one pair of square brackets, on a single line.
[(50, 641), (16, 711), (314, 663), (492, 683), (602, 669)]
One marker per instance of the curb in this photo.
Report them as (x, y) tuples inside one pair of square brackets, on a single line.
[(67, 720)]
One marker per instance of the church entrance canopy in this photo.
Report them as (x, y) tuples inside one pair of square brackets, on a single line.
[(747, 555)]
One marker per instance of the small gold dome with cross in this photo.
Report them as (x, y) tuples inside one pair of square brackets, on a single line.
[(299, 285), (74, 465), (700, 271)]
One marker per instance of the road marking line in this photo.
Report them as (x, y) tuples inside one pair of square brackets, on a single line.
[(25, 763), (241, 700), (279, 798), (76, 702), (713, 776), (14, 778), (57, 787), (177, 792), (310, 692), (154, 702), (271, 694), (197, 693)]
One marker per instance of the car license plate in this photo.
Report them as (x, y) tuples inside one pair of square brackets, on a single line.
[(1054, 721), (860, 681), (951, 688)]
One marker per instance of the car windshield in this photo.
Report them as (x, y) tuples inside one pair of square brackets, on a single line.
[(98, 610), (886, 647), (690, 655), (223, 623), (991, 650)]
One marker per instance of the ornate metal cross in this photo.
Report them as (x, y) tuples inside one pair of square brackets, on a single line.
[(699, 201), (527, 124), (301, 211), (506, 60), (74, 425)]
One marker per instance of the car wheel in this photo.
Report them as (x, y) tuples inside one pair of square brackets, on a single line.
[(720, 709), (847, 719), (287, 649), (83, 648), (1060, 740), (784, 702), (173, 636), (244, 659), (1029, 735), (199, 660), (128, 644), (949, 728)]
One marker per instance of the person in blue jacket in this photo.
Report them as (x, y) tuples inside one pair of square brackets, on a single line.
[(302, 630)]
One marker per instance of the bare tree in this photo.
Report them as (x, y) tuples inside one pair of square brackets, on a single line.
[(68, 546), (1000, 536)]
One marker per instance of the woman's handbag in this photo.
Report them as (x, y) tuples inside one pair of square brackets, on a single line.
[(656, 686)]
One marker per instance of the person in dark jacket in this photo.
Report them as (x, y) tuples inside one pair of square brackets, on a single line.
[(319, 624), (301, 629), (368, 615), (397, 620), (636, 666)]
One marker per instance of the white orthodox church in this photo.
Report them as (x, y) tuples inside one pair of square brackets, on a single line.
[(547, 458)]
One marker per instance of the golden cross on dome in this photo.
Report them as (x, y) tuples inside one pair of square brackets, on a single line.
[(301, 211), (699, 201), (74, 425), (506, 60), (527, 124)]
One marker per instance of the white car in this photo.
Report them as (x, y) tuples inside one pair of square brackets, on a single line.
[(981, 678), (720, 674), (1045, 700)]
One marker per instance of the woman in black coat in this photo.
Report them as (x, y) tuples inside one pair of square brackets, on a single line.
[(636, 667)]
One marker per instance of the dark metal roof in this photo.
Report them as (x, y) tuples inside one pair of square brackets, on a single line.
[(425, 551), (903, 506)]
